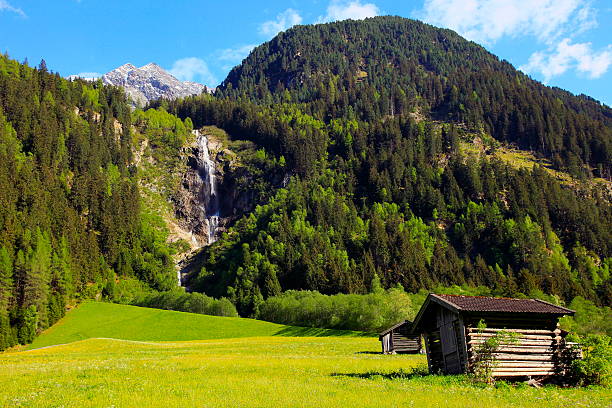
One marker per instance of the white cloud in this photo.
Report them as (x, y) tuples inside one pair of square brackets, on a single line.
[(553, 23), (343, 10), (487, 21), (4, 5), (565, 56), (193, 69), (284, 20), (236, 54)]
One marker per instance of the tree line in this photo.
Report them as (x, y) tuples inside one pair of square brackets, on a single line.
[(70, 216)]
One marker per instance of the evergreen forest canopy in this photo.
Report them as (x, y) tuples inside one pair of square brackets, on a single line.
[(370, 120), (70, 219), (371, 117), (388, 66)]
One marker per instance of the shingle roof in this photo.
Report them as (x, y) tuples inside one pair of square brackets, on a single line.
[(395, 326), (509, 305)]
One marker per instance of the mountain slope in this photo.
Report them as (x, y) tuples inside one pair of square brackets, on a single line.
[(150, 82), (70, 214), (392, 65), (372, 119)]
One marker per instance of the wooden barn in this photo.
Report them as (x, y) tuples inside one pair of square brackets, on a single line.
[(399, 339), (449, 325)]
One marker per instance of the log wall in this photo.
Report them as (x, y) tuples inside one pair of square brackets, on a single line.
[(535, 352), (402, 343)]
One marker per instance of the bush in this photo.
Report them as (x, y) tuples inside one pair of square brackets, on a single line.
[(369, 312), (486, 362), (595, 368), (589, 318), (187, 302)]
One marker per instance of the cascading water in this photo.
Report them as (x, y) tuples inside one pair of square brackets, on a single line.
[(208, 192), (198, 202)]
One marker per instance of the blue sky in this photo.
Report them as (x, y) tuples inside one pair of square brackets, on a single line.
[(564, 43)]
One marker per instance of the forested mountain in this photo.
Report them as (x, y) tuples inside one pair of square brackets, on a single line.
[(372, 118), (357, 144), (70, 219), (386, 66)]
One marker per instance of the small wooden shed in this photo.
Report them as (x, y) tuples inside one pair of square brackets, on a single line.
[(449, 325), (399, 339)]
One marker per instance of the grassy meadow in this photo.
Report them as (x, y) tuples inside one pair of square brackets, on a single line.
[(109, 320), (267, 369)]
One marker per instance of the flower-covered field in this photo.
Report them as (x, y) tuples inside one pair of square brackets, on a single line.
[(262, 371)]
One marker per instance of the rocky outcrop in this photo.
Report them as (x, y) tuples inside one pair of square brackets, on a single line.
[(150, 82), (211, 195), (197, 202)]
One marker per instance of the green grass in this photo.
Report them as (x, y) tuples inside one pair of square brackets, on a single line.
[(109, 320), (266, 370), (522, 159), (251, 372)]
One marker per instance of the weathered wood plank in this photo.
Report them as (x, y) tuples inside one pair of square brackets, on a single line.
[(522, 350), (523, 369), (522, 373), (515, 357), (526, 331), (527, 364), (538, 343), (524, 336)]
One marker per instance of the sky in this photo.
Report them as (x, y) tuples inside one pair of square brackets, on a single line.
[(563, 43)]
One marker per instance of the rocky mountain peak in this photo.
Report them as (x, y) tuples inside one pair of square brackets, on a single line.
[(150, 82)]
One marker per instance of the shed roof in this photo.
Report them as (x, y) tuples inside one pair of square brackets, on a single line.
[(395, 326), (505, 305), (483, 304)]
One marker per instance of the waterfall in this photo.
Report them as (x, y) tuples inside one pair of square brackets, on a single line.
[(198, 201), (208, 193)]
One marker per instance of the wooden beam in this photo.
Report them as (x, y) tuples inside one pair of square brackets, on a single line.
[(524, 336), (538, 343), (530, 357), (527, 364), (526, 331), (522, 373)]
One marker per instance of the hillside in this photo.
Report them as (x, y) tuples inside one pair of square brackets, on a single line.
[(372, 138), (70, 213), (113, 321), (391, 65), (323, 163)]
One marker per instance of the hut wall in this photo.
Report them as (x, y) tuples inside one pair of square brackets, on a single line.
[(404, 343), (450, 333), (400, 340), (445, 341), (535, 352), (387, 345), (512, 321)]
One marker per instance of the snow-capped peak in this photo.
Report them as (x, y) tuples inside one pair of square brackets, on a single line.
[(150, 82)]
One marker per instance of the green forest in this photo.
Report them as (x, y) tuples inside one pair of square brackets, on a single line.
[(372, 132), (368, 122), (70, 216)]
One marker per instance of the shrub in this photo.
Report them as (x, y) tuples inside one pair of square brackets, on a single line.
[(595, 368), (485, 361), (187, 302), (369, 312)]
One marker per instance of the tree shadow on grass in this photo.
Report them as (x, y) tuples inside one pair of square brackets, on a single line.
[(295, 331), (416, 372)]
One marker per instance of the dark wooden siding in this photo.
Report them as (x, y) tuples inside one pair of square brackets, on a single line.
[(400, 340)]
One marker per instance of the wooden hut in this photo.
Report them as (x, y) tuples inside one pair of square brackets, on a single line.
[(399, 339), (449, 325)]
